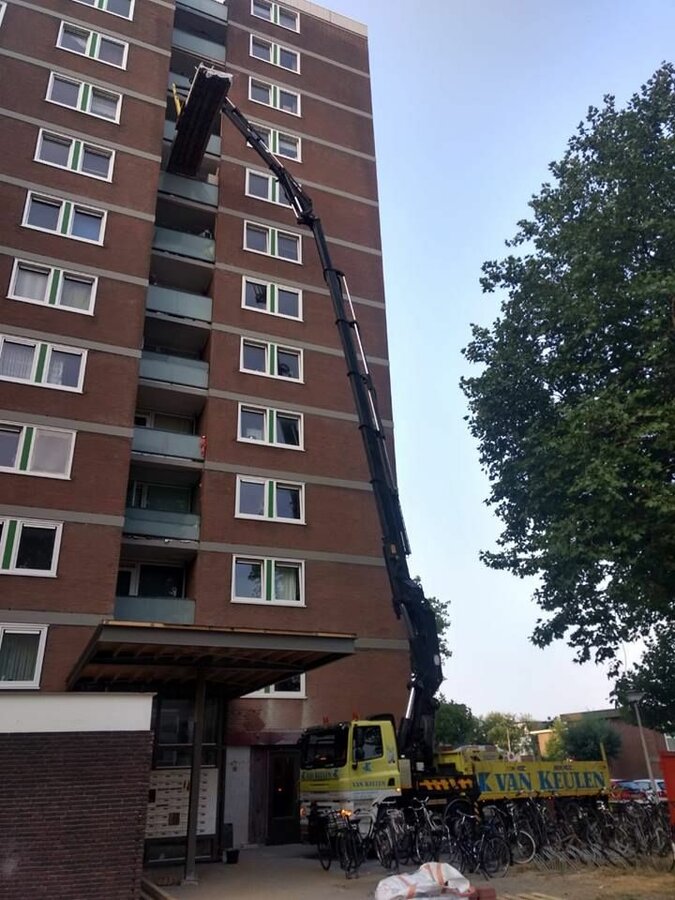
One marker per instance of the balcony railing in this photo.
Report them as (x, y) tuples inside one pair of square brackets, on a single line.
[(174, 369), (210, 8), (189, 188), (178, 303), (167, 443), (183, 244), (213, 146), (172, 610), (161, 524), (199, 46)]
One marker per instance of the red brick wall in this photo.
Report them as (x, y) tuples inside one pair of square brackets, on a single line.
[(72, 815)]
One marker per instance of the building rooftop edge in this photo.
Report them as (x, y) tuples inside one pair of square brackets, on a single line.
[(321, 12)]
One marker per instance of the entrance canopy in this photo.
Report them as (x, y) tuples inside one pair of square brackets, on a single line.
[(135, 655)]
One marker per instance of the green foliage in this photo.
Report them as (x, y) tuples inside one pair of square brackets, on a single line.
[(508, 731), (556, 747), (456, 724), (655, 675), (582, 738), (574, 406), (442, 614)]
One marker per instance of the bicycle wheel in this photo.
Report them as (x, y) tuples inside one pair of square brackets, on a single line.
[(384, 849), (424, 846), (493, 855), (324, 848), (523, 847), (453, 855)]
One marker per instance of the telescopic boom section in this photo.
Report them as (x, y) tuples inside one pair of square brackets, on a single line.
[(416, 731)]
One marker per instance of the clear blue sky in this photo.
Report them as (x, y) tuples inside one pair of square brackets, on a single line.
[(472, 100)]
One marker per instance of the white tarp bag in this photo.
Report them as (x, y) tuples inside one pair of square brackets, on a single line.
[(433, 879)]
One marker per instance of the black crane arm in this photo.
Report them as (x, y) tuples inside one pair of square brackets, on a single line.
[(416, 731)]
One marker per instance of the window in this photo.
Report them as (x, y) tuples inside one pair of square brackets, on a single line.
[(64, 217), (49, 286), (161, 497), (272, 242), (275, 299), (29, 547), (291, 688), (264, 498), (670, 742), (33, 450), (367, 742), (275, 427), (279, 581), (164, 422), (280, 142), (274, 96), (122, 8), (265, 187), (278, 15), (46, 365), (271, 360), (22, 649), (84, 97), (3, 7), (150, 580), (68, 153), (92, 44), (275, 54)]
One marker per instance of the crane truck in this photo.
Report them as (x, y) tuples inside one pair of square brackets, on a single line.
[(361, 762)]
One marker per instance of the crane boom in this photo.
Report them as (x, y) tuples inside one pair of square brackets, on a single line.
[(416, 730)]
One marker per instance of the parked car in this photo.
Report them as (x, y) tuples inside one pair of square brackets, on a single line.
[(636, 789)]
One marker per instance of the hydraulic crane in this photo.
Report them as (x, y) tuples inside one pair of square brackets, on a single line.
[(207, 98)]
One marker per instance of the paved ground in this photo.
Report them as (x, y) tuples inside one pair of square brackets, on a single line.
[(293, 873)]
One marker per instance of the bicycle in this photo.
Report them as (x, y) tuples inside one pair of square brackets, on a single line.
[(477, 847)]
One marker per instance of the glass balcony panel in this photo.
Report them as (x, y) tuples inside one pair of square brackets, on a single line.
[(178, 303), (213, 146), (190, 188), (201, 47), (211, 8), (183, 244), (174, 369), (157, 523), (166, 443), (173, 610)]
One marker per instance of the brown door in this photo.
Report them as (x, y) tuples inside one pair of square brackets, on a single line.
[(284, 773)]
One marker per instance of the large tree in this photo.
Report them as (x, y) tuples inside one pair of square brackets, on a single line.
[(574, 406), (581, 739)]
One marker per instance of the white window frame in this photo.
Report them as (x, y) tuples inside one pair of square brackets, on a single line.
[(84, 96), (274, 90), (268, 515), (54, 290), (75, 152), (268, 693), (273, 241), (274, 142), (274, 17), (57, 527), (268, 565), (20, 628), (102, 6), (29, 432), (93, 39), (270, 426), (274, 190), (134, 570), (270, 360), (670, 742), (275, 53), (37, 347), (67, 208), (272, 289), (3, 7)]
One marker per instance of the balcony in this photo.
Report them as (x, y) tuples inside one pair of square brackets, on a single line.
[(181, 243), (167, 443), (170, 610), (178, 303), (174, 369), (189, 189), (209, 8), (198, 46), (157, 523), (213, 146)]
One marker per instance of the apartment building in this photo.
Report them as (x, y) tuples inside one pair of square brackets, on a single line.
[(185, 505)]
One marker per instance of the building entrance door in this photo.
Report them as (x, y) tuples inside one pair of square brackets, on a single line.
[(284, 773)]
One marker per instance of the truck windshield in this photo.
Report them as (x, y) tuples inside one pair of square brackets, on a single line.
[(324, 748)]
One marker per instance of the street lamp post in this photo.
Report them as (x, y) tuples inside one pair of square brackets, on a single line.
[(635, 698)]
